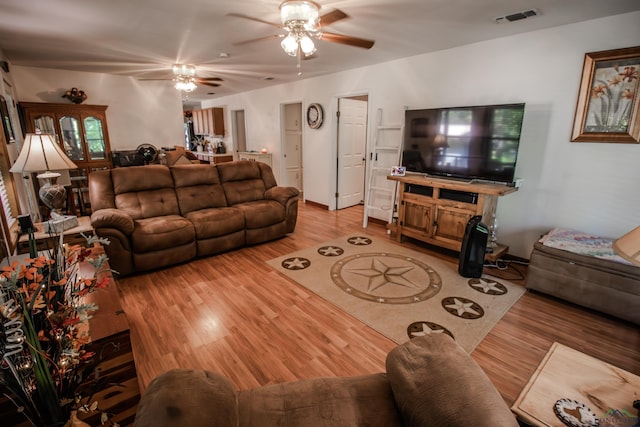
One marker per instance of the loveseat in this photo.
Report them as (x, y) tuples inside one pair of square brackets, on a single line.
[(155, 216), (430, 381)]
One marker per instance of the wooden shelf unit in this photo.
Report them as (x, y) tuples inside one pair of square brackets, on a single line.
[(436, 210)]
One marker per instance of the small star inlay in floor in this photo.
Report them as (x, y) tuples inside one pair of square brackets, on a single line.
[(296, 263)]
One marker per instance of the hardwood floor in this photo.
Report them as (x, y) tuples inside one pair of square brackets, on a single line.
[(233, 314)]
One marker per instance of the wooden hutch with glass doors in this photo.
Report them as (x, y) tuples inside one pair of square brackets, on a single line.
[(81, 131)]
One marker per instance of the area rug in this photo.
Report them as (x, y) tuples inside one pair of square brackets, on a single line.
[(399, 292)]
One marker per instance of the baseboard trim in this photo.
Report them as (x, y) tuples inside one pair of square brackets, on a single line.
[(316, 204)]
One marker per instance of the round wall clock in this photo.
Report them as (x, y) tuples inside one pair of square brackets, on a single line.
[(315, 116)]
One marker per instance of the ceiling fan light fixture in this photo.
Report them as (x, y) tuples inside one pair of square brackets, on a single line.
[(299, 12), (185, 83), (183, 70), (290, 44), (307, 46)]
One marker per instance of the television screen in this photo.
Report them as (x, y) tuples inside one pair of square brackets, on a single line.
[(478, 142)]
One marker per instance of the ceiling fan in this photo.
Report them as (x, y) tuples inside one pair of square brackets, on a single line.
[(185, 80), (302, 23)]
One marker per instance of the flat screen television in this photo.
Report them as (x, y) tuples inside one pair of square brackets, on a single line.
[(479, 142)]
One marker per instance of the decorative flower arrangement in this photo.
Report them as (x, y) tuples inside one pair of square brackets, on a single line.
[(44, 331), (76, 96), (612, 96)]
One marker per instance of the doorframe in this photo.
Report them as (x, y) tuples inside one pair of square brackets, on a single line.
[(335, 142)]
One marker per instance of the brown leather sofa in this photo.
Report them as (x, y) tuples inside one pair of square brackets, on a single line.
[(430, 381), (155, 216)]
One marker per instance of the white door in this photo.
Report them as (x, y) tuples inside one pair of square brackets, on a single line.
[(239, 132), (352, 145), (292, 146)]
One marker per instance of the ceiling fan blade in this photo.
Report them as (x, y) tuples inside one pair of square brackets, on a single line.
[(209, 84), (331, 17), (348, 40), (275, 36), (210, 79), (251, 18)]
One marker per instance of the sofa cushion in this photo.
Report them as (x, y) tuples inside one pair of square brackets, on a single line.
[(198, 187), (216, 222), (262, 213), (323, 402), (144, 191), (147, 204), (437, 367), (242, 181), (188, 397), (153, 234)]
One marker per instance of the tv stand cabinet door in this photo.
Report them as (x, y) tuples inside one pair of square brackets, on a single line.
[(418, 219), (450, 225)]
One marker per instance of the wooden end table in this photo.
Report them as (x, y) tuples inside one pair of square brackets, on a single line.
[(568, 373), (72, 235)]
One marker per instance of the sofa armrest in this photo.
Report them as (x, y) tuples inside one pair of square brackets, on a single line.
[(112, 218), (281, 194), (435, 382), (188, 397)]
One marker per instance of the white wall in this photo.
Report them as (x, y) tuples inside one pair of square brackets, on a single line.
[(588, 186), (138, 112)]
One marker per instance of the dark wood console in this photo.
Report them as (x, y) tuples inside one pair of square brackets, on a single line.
[(436, 210)]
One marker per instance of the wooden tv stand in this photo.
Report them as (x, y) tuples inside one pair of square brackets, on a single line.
[(436, 210)]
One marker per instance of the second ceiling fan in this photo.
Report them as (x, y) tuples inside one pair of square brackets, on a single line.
[(302, 23), (185, 80)]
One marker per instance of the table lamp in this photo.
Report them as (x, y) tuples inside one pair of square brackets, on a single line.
[(41, 153)]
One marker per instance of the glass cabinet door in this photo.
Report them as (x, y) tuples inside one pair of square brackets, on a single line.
[(71, 141), (94, 138), (45, 124)]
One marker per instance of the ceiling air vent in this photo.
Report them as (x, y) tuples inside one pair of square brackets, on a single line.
[(517, 16)]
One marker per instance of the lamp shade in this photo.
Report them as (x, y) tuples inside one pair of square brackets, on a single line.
[(628, 246), (41, 153)]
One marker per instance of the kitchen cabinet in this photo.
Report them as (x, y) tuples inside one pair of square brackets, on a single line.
[(255, 157), (209, 121)]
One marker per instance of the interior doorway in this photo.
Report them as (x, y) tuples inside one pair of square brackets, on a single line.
[(352, 147), (239, 131), (292, 145)]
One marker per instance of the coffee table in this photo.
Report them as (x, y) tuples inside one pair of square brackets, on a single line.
[(568, 373)]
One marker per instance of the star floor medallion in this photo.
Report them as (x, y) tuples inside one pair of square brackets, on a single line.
[(386, 278)]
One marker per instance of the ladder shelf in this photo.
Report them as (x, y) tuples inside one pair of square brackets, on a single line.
[(380, 193)]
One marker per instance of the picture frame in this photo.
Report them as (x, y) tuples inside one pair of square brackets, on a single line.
[(608, 100), (398, 171)]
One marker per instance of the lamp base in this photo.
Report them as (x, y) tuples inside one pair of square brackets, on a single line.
[(53, 195)]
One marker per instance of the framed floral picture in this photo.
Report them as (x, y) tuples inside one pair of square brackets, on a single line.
[(608, 100)]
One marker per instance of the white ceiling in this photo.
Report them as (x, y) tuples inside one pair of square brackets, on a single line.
[(143, 38)]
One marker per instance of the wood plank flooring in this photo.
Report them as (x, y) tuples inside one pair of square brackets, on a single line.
[(233, 314)]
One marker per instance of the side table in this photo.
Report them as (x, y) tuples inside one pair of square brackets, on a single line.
[(568, 373), (117, 391), (498, 252), (72, 235)]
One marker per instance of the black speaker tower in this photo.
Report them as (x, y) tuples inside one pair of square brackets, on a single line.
[(474, 246)]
